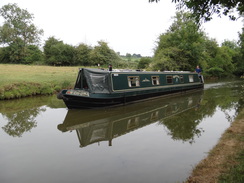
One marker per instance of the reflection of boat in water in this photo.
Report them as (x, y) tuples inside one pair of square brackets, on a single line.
[(104, 125)]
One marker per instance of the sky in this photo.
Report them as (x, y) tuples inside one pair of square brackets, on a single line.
[(128, 26)]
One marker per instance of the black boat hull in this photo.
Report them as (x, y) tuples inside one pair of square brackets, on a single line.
[(114, 99)]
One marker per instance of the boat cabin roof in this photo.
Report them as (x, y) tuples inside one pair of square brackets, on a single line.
[(104, 81), (94, 70)]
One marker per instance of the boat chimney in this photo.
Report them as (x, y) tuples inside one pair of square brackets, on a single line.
[(110, 67)]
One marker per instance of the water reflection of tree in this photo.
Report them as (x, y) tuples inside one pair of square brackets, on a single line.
[(226, 98), (21, 114), (21, 121), (184, 126), (241, 100)]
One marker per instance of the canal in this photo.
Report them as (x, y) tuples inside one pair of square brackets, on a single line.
[(156, 141)]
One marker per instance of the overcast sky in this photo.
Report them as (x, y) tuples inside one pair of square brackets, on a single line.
[(128, 26)]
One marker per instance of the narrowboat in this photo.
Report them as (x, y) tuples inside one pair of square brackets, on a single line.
[(96, 88)]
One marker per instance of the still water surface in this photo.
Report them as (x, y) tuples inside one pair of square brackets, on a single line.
[(157, 141)]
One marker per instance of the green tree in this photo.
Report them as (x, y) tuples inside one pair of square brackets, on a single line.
[(204, 9), (18, 32), (230, 44), (34, 54), (82, 55), (128, 56), (240, 60), (169, 58), (136, 55), (144, 62), (209, 53), (181, 47), (103, 55), (4, 57), (58, 53), (51, 41), (222, 60), (235, 53)]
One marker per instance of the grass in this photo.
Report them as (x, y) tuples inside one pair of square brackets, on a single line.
[(235, 172), (234, 164), (18, 81), (225, 162)]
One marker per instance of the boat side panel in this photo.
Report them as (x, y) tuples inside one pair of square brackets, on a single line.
[(120, 80)]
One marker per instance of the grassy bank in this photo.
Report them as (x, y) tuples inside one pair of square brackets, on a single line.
[(225, 162), (18, 81)]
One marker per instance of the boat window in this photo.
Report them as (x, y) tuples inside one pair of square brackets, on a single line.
[(191, 78), (169, 79), (133, 81), (97, 82), (181, 78), (155, 80)]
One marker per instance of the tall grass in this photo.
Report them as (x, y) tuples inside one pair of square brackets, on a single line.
[(18, 81), (235, 173)]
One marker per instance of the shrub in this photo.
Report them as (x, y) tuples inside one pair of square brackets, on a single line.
[(215, 71)]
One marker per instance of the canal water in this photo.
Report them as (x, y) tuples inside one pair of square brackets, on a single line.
[(156, 141)]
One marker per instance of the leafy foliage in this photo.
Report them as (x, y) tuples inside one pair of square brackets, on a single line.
[(239, 60), (17, 32), (215, 71), (144, 62), (82, 54), (181, 47), (33, 54), (204, 9), (58, 53), (103, 55), (184, 46)]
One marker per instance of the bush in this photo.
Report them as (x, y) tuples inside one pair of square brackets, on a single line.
[(215, 71), (144, 63), (58, 53), (46, 90), (33, 54)]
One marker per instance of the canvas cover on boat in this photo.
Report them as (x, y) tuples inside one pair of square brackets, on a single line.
[(96, 80)]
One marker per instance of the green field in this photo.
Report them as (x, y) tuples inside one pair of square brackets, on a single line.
[(18, 81)]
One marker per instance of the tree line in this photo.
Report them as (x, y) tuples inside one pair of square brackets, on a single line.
[(56, 53), (183, 46), (20, 40)]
